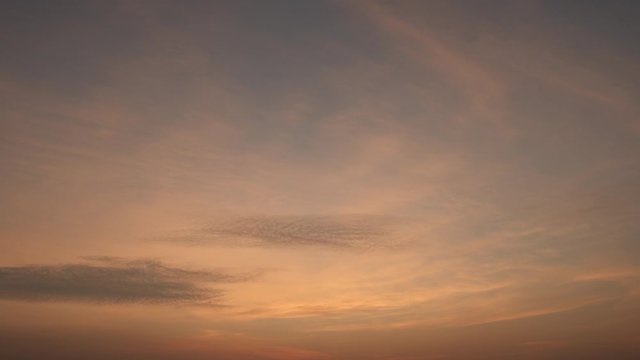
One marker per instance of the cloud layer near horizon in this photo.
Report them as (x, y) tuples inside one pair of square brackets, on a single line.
[(111, 280)]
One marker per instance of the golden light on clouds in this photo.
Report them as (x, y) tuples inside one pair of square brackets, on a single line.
[(326, 180)]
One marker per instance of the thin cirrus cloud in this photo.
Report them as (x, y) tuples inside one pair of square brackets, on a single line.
[(113, 280), (357, 232)]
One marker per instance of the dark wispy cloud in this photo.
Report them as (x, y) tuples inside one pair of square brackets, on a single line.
[(349, 232), (114, 280)]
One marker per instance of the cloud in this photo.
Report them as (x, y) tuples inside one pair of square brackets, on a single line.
[(485, 92), (349, 231), (113, 280)]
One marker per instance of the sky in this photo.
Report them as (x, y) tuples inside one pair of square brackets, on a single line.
[(319, 180)]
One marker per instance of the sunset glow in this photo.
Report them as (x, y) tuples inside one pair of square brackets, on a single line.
[(320, 180)]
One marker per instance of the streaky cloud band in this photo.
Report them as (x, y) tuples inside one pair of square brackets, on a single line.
[(115, 280), (356, 232)]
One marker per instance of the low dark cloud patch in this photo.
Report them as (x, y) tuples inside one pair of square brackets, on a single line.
[(115, 280), (346, 232)]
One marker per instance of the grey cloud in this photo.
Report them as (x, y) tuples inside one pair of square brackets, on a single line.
[(353, 231), (113, 280)]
